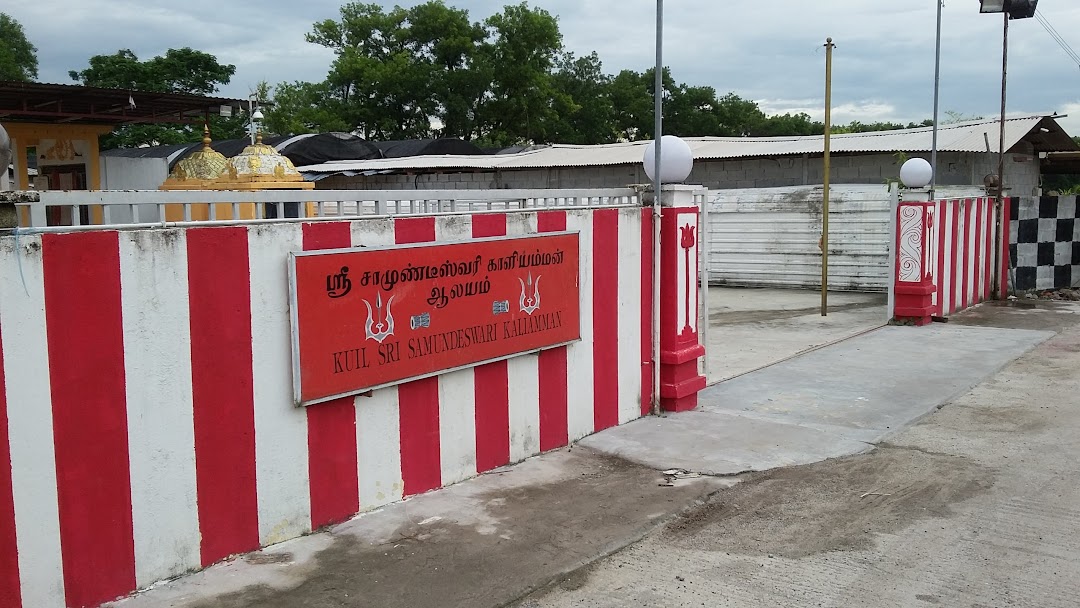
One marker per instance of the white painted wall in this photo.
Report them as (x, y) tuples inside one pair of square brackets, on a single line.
[(163, 450), (123, 173)]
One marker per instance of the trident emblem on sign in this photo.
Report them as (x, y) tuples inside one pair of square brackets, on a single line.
[(530, 295), (379, 326)]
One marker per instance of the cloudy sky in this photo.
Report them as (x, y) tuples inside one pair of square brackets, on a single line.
[(766, 50)]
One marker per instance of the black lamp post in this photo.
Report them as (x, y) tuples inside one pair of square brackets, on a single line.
[(1009, 9)]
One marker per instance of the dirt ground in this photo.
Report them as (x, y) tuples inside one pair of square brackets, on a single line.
[(432, 559), (829, 506), (975, 506)]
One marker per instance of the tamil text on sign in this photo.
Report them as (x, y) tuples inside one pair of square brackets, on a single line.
[(367, 318)]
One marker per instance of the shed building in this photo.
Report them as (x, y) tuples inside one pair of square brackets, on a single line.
[(968, 152)]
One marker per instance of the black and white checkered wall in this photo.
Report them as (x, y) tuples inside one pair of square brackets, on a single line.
[(1045, 242)]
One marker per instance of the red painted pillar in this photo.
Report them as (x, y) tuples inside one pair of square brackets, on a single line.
[(914, 281), (680, 346)]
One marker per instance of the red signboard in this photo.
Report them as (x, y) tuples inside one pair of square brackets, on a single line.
[(367, 318)]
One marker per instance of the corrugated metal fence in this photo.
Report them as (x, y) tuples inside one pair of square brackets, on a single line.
[(770, 237)]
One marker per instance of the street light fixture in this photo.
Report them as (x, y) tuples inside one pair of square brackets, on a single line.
[(1009, 9), (255, 116), (1017, 9)]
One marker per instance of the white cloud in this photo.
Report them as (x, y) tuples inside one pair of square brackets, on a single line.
[(767, 50), (863, 111)]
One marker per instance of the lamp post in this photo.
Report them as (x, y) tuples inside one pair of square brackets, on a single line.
[(677, 300), (658, 130), (1009, 9), (912, 267), (937, 92), (255, 115)]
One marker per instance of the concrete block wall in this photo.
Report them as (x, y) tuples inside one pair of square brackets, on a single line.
[(955, 169), (147, 424)]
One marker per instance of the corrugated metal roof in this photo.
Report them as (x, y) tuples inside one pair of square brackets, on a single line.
[(973, 136)]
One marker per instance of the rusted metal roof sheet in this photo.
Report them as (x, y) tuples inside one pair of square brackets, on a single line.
[(63, 103), (973, 136)]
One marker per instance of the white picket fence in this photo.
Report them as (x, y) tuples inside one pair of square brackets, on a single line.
[(155, 207)]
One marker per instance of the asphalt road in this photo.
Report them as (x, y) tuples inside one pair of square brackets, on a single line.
[(976, 505)]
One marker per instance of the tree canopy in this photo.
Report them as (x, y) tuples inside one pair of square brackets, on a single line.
[(18, 57), (431, 71), (178, 71)]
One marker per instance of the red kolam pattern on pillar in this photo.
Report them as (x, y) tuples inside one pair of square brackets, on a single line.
[(92, 348), (680, 347), (963, 245)]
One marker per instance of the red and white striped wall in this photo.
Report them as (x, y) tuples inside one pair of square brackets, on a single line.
[(962, 254), (146, 417)]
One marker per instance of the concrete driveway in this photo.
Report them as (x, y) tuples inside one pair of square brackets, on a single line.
[(753, 328), (802, 484)]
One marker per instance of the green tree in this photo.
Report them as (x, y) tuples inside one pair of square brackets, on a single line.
[(689, 111), (18, 57), (399, 73), (524, 45), (304, 107), (790, 124), (429, 71), (738, 117), (631, 96), (178, 71), (452, 48), (586, 113), (693, 111), (383, 86)]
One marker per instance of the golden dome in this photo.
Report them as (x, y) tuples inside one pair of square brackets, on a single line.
[(198, 168), (262, 166)]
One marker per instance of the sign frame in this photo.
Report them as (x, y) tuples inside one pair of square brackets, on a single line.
[(294, 319)]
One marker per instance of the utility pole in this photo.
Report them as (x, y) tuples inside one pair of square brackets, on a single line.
[(829, 46)]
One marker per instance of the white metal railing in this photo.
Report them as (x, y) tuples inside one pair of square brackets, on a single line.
[(119, 207)]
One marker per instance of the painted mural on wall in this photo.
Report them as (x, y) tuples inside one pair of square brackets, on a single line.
[(62, 152), (368, 318)]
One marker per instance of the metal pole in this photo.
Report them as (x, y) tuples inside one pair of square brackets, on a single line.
[(894, 204), (825, 194), (1001, 249), (937, 90), (658, 130), (251, 121)]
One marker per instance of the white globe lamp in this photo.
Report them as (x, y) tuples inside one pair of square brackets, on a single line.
[(676, 160), (916, 173)]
